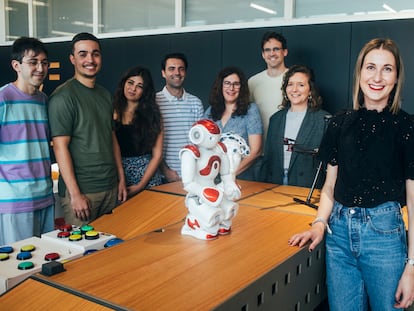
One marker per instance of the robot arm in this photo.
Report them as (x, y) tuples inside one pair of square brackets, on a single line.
[(231, 189), (209, 195)]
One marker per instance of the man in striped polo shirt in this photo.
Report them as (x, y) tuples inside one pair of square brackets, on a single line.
[(26, 195), (179, 111)]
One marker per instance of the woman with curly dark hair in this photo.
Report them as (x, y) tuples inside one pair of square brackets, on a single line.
[(231, 109), (138, 129)]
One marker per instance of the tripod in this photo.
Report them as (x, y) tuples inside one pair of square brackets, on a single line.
[(315, 179), (309, 197)]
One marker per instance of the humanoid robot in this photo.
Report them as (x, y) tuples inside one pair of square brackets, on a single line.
[(211, 207)]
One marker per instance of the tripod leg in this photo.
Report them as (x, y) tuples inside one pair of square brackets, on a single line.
[(314, 182)]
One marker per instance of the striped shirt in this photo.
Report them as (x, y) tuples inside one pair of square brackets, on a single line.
[(178, 116), (25, 178)]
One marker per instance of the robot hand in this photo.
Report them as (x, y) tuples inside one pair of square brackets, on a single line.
[(231, 189)]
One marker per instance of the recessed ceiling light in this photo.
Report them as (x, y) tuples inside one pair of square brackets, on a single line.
[(262, 8)]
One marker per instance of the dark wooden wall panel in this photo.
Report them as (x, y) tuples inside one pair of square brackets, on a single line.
[(59, 52), (203, 51), (119, 54), (326, 49), (401, 32), (330, 49), (242, 48)]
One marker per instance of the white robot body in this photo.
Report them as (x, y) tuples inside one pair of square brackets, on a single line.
[(210, 206)]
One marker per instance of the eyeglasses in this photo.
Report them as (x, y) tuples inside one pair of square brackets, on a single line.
[(275, 49), (35, 63), (228, 84)]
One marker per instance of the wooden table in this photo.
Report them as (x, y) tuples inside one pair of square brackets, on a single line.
[(252, 267), (146, 212), (281, 198), (35, 295), (158, 207), (248, 188)]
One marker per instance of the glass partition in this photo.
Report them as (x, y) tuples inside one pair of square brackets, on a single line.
[(130, 15), (16, 19), (320, 8), (201, 12), (64, 18)]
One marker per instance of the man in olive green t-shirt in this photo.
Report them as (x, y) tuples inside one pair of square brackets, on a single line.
[(80, 113)]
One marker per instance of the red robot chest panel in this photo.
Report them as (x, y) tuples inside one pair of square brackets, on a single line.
[(211, 166)]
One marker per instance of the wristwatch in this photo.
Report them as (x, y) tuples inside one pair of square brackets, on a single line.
[(410, 261)]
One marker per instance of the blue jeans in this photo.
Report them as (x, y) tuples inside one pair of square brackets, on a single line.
[(365, 256)]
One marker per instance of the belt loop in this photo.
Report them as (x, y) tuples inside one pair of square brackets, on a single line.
[(365, 214), (338, 207)]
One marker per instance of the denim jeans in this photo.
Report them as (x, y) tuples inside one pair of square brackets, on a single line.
[(365, 256), (285, 176)]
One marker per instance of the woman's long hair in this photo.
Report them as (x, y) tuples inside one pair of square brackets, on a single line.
[(216, 98), (147, 118)]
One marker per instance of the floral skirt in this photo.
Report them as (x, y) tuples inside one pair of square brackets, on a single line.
[(134, 169)]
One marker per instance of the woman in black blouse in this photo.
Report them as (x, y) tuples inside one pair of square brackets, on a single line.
[(369, 153), (138, 129)]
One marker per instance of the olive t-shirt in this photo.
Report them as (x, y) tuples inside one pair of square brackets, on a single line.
[(85, 114)]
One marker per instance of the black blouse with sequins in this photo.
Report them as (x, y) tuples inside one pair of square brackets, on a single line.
[(374, 152)]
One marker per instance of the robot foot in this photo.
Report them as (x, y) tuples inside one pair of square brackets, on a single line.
[(224, 230), (197, 232)]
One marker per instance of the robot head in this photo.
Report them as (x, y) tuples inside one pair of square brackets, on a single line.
[(205, 133)]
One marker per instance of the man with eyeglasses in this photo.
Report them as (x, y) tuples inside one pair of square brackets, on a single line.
[(179, 110), (265, 87), (91, 177), (26, 195)]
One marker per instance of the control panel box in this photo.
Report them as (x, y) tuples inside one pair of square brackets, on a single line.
[(21, 259)]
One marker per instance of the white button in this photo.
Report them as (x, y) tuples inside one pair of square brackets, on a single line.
[(352, 211)]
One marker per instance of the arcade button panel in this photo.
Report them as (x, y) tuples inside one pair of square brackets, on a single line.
[(85, 238), (21, 259)]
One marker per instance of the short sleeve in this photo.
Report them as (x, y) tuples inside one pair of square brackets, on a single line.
[(200, 110), (207, 114), (60, 115), (254, 121), (328, 150), (408, 143)]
